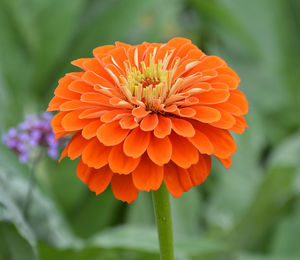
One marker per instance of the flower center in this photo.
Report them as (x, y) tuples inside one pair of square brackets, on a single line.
[(149, 84)]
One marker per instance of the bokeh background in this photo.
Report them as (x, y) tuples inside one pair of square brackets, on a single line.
[(249, 212)]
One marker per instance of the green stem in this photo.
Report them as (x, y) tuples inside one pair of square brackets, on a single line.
[(162, 208), (28, 197)]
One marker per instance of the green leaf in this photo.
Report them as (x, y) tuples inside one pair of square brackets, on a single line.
[(55, 25), (249, 256), (141, 212), (15, 229), (267, 206), (218, 16), (287, 152), (146, 240), (16, 246), (44, 221), (94, 213), (186, 211), (285, 240)]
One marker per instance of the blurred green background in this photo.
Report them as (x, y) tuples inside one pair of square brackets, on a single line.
[(249, 212)]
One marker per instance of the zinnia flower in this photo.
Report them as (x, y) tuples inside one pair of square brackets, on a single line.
[(149, 113)]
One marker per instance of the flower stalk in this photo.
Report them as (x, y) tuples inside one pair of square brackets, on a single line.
[(31, 184), (163, 215)]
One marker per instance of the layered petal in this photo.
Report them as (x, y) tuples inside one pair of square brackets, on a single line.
[(119, 162), (136, 143), (184, 154), (123, 188), (147, 175), (160, 150), (111, 134)]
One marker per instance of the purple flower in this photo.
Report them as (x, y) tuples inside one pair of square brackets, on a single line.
[(35, 131)]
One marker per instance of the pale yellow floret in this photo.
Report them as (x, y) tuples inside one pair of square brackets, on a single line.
[(149, 83)]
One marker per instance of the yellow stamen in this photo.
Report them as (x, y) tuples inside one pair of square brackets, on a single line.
[(149, 83)]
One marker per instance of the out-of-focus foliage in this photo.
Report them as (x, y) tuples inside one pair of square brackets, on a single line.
[(250, 212)]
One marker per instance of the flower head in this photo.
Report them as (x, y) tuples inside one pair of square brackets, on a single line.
[(149, 113), (32, 133)]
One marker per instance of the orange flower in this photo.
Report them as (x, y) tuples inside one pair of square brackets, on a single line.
[(143, 114)]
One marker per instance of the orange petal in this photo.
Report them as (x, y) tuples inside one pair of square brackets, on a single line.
[(72, 122), (238, 99), (136, 143), (226, 121), (90, 130), (63, 91), (162, 52), (75, 105), (240, 125), (177, 42), (94, 79), (210, 62), (120, 103), (102, 50), (226, 162), (64, 153), (228, 71), (99, 179), (221, 140), (184, 49), (187, 112), (182, 127), (119, 162), (136, 54), (115, 72), (164, 127), (111, 133), (123, 188), (149, 122), (113, 115), (184, 154), (123, 45), (95, 154), (96, 98), (55, 103), (185, 179), (79, 62), (147, 175), (80, 86), (92, 113), (213, 96), (231, 108), (119, 56), (229, 80), (56, 122), (128, 122), (206, 114), (94, 66), (60, 134), (140, 112), (76, 146), (201, 170), (176, 179), (195, 54), (202, 143), (83, 171), (160, 150)]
